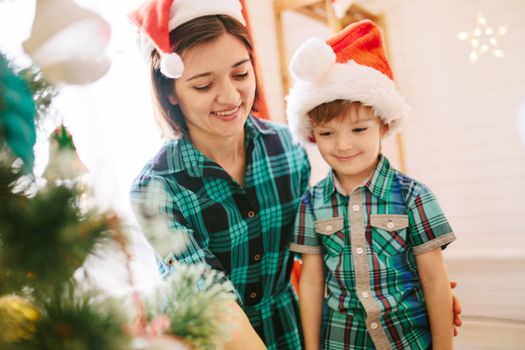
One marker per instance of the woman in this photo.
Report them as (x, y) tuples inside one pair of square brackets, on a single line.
[(229, 184)]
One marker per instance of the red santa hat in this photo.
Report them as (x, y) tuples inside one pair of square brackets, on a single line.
[(350, 66), (155, 20)]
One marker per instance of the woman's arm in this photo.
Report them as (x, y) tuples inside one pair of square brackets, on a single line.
[(438, 297), (311, 293), (242, 335), (456, 308)]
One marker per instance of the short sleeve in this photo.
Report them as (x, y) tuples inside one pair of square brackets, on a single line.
[(304, 238), (165, 228), (428, 226)]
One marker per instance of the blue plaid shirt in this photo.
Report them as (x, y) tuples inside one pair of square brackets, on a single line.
[(369, 239), (241, 230)]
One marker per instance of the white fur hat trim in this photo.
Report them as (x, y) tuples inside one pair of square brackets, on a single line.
[(183, 11), (346, 81)]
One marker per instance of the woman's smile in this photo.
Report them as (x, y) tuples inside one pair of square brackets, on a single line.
[(228, 115)]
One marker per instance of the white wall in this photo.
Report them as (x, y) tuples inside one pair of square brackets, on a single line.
[(462, 139)]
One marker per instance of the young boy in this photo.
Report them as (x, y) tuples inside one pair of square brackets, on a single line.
[(371, 237)]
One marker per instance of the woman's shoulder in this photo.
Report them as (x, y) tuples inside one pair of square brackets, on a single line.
[(266, 126), (273, 132), (158, 166)]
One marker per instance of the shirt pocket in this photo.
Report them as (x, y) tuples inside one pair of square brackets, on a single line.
[(389, 233), (332, 234)]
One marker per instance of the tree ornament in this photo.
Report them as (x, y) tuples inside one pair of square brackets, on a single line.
[(68, 42), (17, 114), (17, 319), (64, 162)]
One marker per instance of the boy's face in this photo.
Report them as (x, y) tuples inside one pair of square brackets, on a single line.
[(350, 143)]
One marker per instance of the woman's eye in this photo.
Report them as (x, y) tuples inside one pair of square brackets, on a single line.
[(241, 76), (202, 88), (358, 130)]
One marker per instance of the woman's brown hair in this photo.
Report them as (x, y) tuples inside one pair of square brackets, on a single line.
[(191, 34)]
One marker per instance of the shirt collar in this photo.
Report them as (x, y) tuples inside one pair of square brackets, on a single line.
[(381, 180), (178, 155), (378, 183)]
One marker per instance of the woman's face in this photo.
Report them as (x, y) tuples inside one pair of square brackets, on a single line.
[(217, 90)]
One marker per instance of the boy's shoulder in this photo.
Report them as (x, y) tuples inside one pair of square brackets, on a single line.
[(409, 186), (321, 188)]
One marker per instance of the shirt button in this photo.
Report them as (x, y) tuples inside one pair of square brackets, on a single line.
[(251, 214), (356, 207), (256, 257), (373, 325), (328, 227), (359, 250), (365, 294), (390, 225), (253, 295)]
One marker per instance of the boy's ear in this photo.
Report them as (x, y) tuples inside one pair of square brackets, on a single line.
[(384, 129)]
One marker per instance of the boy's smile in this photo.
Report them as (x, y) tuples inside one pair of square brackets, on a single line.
[(350, 144)]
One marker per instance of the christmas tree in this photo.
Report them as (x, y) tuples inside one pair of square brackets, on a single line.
[(46, 235)]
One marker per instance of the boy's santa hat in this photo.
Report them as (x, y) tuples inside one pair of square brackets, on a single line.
[(155, 20), (350, 66)]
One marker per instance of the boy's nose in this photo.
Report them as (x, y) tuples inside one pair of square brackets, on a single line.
[(344, 144), (228, 94)]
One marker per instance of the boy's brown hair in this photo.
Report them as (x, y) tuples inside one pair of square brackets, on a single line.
[(331, 110)]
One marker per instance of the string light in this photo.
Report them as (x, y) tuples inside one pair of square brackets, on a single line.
[(483, 39)]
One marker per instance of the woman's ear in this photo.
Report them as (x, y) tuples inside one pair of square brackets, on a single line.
[(173, 99)]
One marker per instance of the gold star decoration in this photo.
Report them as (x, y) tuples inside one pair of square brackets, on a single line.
[(483, 39)]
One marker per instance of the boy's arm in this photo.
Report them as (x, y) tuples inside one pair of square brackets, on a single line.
[(311, 294), (438, 297)]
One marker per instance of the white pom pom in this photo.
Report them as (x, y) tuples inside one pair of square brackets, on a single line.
[(312, 60), (171, 65)]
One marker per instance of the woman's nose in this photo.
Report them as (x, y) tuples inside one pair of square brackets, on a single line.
[(228, 93)]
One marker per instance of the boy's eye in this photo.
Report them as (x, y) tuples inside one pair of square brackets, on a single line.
[(325, 133), (358, 130)]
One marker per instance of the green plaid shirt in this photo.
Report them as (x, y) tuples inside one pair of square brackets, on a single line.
[(369, 241), (241, 230)]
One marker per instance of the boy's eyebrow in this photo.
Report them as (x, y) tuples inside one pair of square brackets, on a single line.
[(196, 76)]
